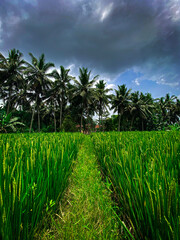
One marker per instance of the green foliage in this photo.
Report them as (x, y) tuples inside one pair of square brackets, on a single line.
[(102, 101), (121, 102), (7, 123), (52, 95), (144, 170), (69, 125), (174, 127), (34, 171), (11, 78), (84, 94)]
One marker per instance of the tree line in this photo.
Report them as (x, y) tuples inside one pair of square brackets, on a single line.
[(50, 100)]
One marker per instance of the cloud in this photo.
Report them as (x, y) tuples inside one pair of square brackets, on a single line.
[(112, 87), (105, 36), (137, 81), (106, 11), (163, 71)]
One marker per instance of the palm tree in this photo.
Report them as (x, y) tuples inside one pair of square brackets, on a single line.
[(39, 83), (166, 104), (174, 112), (22, 100), (84, 93), (102, 98), (140, 106), (148, 107), (120, 102), (11, 70), (51, 103), (60, 89)]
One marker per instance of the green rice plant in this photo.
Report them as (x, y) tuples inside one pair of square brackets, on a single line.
[(34, 171), (144, 169)]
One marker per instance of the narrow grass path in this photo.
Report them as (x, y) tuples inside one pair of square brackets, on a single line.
[(86, 211)]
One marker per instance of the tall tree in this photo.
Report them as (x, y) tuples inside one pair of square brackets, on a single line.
[(51, 103), (120, 102), (102, 99), (11, 69), (166, 105), (148, 108), (84, 92), (62, 80), (175, 111), (140, 106), (39, 83)]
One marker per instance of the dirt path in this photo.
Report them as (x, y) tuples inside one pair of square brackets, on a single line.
[(86, 211)]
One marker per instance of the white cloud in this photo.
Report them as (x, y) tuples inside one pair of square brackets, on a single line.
[(137, 81), (106, 11), (174, 9), (71, 66), (110, 86), (164, 82), (158, 70)]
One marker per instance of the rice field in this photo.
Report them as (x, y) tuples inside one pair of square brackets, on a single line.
[(34, 171), (141, 169), (144, 170)]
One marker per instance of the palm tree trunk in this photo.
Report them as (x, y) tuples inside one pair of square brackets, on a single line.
[(81, 121), (142, 125), (100, 113), (60, 117), (102, 125), (54, 119), (54, 122), (132, 120), (9, 101), (32, 119), (39, 127), (88, 122), (99, 121), (119, 123)]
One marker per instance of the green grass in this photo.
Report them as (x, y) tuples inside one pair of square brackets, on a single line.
[(144, 169), (87, 211), (140, 171), (34, 171)]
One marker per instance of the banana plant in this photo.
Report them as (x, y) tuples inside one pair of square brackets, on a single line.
[(7, 122)]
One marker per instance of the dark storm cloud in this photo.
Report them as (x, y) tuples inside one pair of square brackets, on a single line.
[(109, 36)]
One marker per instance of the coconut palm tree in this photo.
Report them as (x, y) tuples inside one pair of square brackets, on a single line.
[(102, 98), (148, 107), (166, 104), (60, 88), (120, 102), (50, 105), (39, 83), (84, 93), (141, 106), (11, 69), (174, 112)]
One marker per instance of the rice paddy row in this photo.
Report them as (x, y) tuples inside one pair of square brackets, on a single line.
[(144, 169), (34, 171)]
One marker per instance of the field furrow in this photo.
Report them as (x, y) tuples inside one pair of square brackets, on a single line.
[(87, 211)]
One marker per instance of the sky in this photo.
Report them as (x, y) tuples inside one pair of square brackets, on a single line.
[(132, 42)]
